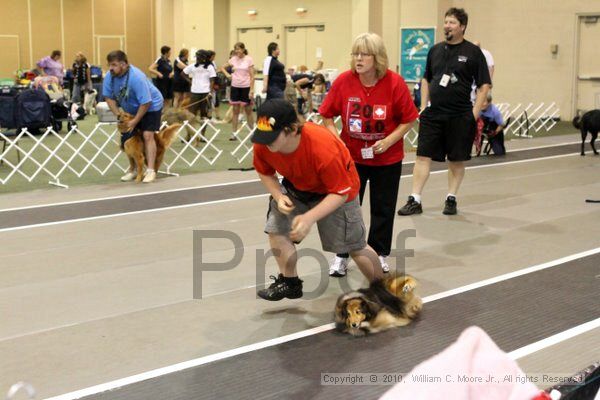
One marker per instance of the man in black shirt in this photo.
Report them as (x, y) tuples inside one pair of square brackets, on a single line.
[(448, 125)]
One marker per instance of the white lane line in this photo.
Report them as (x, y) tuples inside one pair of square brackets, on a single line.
[(125, 196), (554, 339), (45, 224), (324, 328), (68, 221)]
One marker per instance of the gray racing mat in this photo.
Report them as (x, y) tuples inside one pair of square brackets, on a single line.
[(515, 313), (41, 215)]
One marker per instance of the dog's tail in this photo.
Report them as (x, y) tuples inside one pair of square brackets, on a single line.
[(167, 134), (577, 122), (394, 291)]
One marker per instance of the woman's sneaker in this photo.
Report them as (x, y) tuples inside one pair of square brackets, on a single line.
[(338, 267), (129, 176), (279, 290), (384, 265), (411, 207), (149, 177)]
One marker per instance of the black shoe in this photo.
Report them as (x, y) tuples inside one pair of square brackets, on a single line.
[(450, 207), (411, 207), (279, 290)]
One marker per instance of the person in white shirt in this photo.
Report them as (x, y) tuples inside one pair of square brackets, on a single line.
[(203, 74), (489, 59)]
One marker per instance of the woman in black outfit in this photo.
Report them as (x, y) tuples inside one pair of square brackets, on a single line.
[(181, 82), (163, 70), (273, 73), (82, 79)]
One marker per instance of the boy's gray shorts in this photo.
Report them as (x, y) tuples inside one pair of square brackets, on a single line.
[(342, 231)]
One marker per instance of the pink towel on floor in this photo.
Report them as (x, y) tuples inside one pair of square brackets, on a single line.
[(474, 355)]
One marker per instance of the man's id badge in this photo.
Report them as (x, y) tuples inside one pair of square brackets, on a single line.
[(444, 81), (367, 153)]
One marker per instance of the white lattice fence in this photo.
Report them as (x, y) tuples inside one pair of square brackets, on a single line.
[(79, 153), (531, 117)]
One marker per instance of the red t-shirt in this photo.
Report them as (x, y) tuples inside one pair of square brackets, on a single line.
[(370, 114), (320, 164)]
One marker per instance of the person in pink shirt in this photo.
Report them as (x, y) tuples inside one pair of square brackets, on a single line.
[(242, 84), (51, 65)]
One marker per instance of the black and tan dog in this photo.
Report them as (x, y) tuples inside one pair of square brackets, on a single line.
[(132, 143), (589, 122), (388, 303)]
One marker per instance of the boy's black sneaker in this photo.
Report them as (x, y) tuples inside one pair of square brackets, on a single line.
[(450, 206), (280, 289), (411, 207)]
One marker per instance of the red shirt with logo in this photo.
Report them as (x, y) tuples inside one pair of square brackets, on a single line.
[(320, 164), (370, 114)]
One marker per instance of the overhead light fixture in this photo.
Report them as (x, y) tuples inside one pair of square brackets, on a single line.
[(301, 10), (252, 13)]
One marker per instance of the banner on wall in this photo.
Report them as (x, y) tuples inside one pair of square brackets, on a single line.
[(414, 46)]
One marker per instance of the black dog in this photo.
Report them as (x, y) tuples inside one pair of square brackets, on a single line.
[(589, 122)]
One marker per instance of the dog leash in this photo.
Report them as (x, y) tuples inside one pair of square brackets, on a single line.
[(199, 101)]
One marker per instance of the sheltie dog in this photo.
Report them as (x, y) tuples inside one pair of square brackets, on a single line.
[(132, 143), (388, 303), (184, 113)]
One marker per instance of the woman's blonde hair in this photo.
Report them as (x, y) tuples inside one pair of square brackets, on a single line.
[(371, 43)]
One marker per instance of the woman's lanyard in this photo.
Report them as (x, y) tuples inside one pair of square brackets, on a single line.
[(123, 92)]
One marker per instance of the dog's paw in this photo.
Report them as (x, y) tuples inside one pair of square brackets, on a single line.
[(357, 332)]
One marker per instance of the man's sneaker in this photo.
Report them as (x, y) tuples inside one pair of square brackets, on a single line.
[(279, 290), (450, 206), (411, 207), (384, 265), (149, 177), (338, 267), (129, 176)]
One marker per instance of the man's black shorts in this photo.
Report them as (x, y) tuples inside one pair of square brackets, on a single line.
[(150, 121), (446, 137)]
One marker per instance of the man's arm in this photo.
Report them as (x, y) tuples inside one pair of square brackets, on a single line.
[(302, 223), (482, 93), (140, 114), (424, 94), (112, 104), (272, 185), (329, 204)]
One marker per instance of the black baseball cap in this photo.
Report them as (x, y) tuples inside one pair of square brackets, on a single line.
[(271, 118)]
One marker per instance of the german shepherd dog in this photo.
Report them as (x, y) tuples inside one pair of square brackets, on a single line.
[(134, 145), (388, 303), (589, 122)]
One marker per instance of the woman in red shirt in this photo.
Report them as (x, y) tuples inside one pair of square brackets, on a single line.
[(377, 111)]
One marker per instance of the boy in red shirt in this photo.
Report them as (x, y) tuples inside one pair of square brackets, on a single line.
[(320, 185)]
